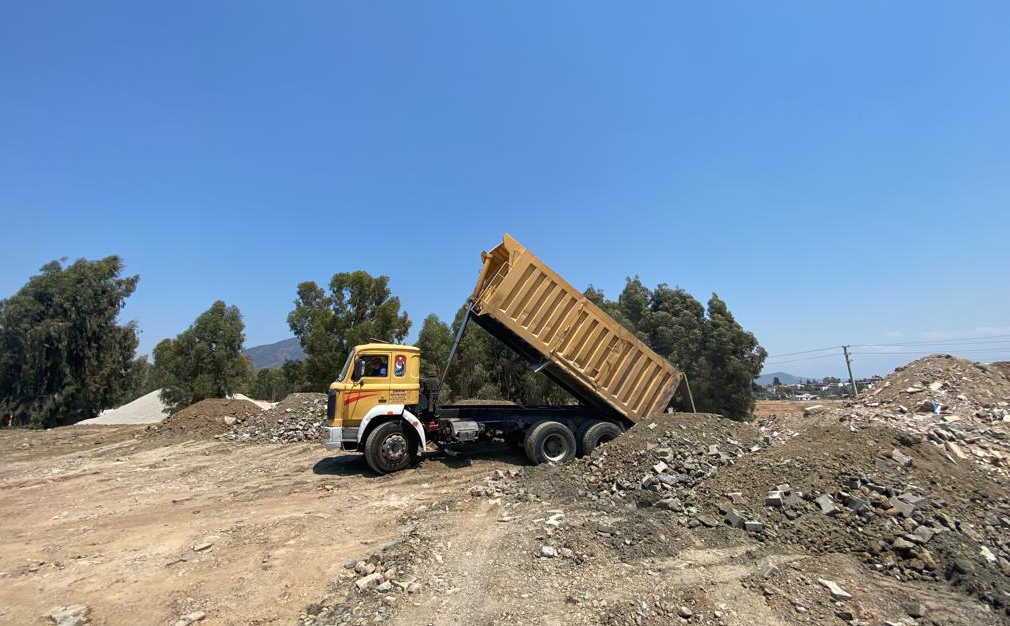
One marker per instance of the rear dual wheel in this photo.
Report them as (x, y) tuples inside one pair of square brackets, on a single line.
[(595, 433), (550, 442)]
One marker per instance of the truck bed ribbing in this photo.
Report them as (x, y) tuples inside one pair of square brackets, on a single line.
[(527, 306)]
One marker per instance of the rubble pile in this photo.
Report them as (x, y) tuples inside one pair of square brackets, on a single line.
[(885, 496), (294, 419), (205, 419), (944, 385)]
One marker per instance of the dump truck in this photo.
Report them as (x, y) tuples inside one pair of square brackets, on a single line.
[(381, 404)]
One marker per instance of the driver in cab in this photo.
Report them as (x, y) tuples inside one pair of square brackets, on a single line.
[(375, 366)]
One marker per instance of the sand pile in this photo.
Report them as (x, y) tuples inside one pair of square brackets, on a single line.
[(294, 419), (147, 409), (206, 418)]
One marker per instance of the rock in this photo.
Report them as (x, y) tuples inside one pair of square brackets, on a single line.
[(902, 544), (200, 547), (915, 609), (774, 498), (670, 504), (837, 593), (827, 504), (73, 615), (734, 519), (752, 526), (901, 458), (987, 554), (363, 582), (230, 420), (684, 612), (385, 586), (660, 467), (190, 618), (900, 507), (548, 552)]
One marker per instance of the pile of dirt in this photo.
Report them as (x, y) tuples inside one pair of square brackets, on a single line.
[(294, 419), (205, 419)]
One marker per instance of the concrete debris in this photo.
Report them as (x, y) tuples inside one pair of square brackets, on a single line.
[(295, 419), (73, 615), (837, 593)]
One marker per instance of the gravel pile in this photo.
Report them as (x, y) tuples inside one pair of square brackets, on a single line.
[(295, 419), (147, 409)]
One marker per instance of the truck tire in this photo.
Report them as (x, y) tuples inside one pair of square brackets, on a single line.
[(390, 448), (595, 434), (550, 441)]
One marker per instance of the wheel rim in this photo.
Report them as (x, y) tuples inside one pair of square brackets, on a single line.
[(394, 449), (555, 447)]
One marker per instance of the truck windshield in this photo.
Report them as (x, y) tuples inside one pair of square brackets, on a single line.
[(347, 364)]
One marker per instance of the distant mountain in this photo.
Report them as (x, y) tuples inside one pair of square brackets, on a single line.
[(274, 354), (785, 379)]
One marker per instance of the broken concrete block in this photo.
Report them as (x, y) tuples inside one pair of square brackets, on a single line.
[(827, 504), (837, 593), (901, 458)]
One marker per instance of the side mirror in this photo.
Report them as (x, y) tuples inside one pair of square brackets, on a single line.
[(359, 370)]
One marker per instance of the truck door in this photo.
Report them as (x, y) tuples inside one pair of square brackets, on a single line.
[(371, 389)]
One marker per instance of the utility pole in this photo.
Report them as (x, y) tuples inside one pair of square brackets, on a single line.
[(852, 379)]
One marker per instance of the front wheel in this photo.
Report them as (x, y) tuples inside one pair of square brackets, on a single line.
[(550, 441), (390, 448)]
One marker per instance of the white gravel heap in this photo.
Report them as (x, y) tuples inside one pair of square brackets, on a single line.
[(147, 409)]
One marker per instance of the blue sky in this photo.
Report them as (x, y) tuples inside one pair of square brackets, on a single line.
[(837, 173)]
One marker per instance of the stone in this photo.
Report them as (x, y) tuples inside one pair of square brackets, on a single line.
[(229, 420), (200, 547), (837, 593), (987, 554), (901, 458), (902, 544), (385, 586), (915, 609), (752, 526), (774, 498), (734, 519), (670, 504), (814, 410), (684, 612), (660, 467), (856, 505), (548, 552), (190, 618), (924, 533), (827, 504), (72, 615), (365, 581), (900, 507), (917, 502)]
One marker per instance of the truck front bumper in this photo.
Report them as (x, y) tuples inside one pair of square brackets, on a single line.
[(337, 438)]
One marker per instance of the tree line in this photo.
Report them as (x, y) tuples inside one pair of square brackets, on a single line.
[(64, 357)]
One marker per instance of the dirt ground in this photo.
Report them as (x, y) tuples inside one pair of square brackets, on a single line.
[(98, 515)]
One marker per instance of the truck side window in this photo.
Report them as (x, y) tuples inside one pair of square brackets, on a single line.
[(376, 365)]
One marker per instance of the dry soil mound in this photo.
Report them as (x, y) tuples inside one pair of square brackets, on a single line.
[(294, 419), (147, 409), (205, 418)]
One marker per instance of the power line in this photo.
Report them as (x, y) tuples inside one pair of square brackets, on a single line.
[(969, 340)]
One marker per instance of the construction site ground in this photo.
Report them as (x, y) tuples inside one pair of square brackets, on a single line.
[(891, 510), (119, 523)]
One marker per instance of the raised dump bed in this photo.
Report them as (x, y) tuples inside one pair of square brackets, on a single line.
[(522, 302)]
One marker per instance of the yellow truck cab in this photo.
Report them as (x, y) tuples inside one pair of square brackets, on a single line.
[(377, 388)]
